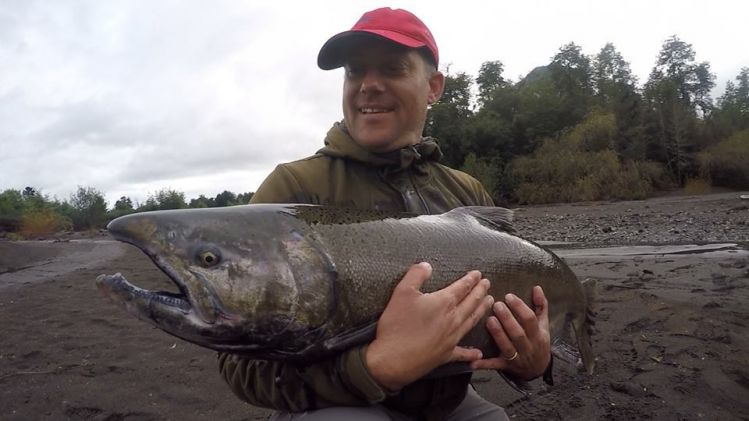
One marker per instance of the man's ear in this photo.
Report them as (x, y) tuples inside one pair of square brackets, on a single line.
[(436, 87)]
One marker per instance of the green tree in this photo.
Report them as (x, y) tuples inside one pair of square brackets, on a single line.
[(202, 202), (612, 76), (572, 75), (88, 208), (124, 204), (539, 111), (12, 208), (727, 163), (677, 94), (733, 106), (489, 80), (690, 80), (244, 198), (485, 170), (12, 203), (164, 199), (447, 118), (225, 198)]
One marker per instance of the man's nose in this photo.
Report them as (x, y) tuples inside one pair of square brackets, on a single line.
[(371, 82)]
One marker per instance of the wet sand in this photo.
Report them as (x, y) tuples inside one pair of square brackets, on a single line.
[(671, 329)]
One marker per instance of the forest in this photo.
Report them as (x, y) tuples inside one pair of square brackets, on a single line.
[(580, 128)]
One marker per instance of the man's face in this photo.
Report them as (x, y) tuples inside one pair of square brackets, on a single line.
[(386, 91)]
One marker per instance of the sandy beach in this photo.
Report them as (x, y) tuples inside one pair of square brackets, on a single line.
[(671, 339)]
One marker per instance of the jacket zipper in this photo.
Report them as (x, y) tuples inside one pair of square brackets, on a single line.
[(418, 193)]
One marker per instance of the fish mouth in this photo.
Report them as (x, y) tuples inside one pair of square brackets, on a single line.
[(119, 288), (168, 310)]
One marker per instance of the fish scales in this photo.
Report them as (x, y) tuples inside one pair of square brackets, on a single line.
[(302, 282)]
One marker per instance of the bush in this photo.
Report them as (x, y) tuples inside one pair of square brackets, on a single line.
[(695, 186), (486, 171), (727, 163), (43, 222), (561, 171)]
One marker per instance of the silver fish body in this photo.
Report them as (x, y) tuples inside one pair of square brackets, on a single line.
[(303, 282)]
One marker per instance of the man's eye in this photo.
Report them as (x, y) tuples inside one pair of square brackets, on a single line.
[(395, 69), (352, 71)]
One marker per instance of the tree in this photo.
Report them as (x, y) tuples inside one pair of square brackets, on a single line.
[(485, 170), (539, 111), (29, 192), (164, 199), (124, 204), (733, 106), (202, 202), (691, 81), (677, 94), (244, 198), (612, 76), (11, 204), (572, 76), (447, 118), (225, 198), (12, 207), (89, 208), (489, 80)]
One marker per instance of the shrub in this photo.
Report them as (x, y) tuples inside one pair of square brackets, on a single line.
[(727, 163), (561, 171), (43, 222)]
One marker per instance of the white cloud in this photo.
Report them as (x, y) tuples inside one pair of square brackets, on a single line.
[(133, 96)]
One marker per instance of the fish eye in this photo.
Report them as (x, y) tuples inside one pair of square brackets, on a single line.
[(209, 258)]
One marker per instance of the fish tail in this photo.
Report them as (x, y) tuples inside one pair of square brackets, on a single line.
[(584, 327)]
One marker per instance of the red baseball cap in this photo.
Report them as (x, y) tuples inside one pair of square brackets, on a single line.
[(396, 25)]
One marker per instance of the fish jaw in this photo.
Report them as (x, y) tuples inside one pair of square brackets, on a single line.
[(145, 232), (163, 309)]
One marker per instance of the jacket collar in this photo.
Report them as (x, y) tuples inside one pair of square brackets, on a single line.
[(339, 144)]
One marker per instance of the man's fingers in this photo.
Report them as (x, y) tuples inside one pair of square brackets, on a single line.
[(506, 347), (416, 276), (474, 307), (465, 354), (460, 289), (525, 320), (541, 305), (489, 364)]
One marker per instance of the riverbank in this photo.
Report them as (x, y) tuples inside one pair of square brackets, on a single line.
[(671, 332)]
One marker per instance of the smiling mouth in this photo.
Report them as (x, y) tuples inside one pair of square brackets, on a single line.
[(374, 110)]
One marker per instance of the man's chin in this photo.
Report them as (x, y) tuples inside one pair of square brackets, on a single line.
[(376, 143)]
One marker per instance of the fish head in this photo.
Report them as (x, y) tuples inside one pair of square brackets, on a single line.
[(250, 278)]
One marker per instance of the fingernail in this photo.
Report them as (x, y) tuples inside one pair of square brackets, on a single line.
[(499, 306), (510, 297)]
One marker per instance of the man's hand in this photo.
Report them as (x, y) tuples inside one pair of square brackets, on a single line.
[(518, 329), (418, 332)]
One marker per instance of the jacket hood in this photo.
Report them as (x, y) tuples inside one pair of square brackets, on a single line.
[(339, 144)]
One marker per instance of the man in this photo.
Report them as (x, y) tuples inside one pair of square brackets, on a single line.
[(376, 158)]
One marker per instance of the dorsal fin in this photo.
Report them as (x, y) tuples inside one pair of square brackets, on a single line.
[(500, 218)]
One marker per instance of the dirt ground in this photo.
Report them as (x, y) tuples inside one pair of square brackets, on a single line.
[(671, 335)]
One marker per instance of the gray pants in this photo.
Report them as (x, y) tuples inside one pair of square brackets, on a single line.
[(473, 408)]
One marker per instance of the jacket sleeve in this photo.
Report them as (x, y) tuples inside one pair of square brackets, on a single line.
[(341, 380)]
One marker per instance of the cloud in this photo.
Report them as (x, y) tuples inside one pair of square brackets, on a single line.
[(132, 96)]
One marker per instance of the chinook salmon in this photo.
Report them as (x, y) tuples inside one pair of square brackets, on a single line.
[(303, 282)]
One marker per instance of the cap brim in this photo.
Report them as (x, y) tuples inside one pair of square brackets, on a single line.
[(334, 52)]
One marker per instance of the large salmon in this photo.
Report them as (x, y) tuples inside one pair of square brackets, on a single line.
[(302, 282)]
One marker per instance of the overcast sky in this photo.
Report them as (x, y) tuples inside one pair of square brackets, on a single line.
[(203, 96)]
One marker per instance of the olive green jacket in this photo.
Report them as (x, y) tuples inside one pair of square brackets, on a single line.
[(345, 174)]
